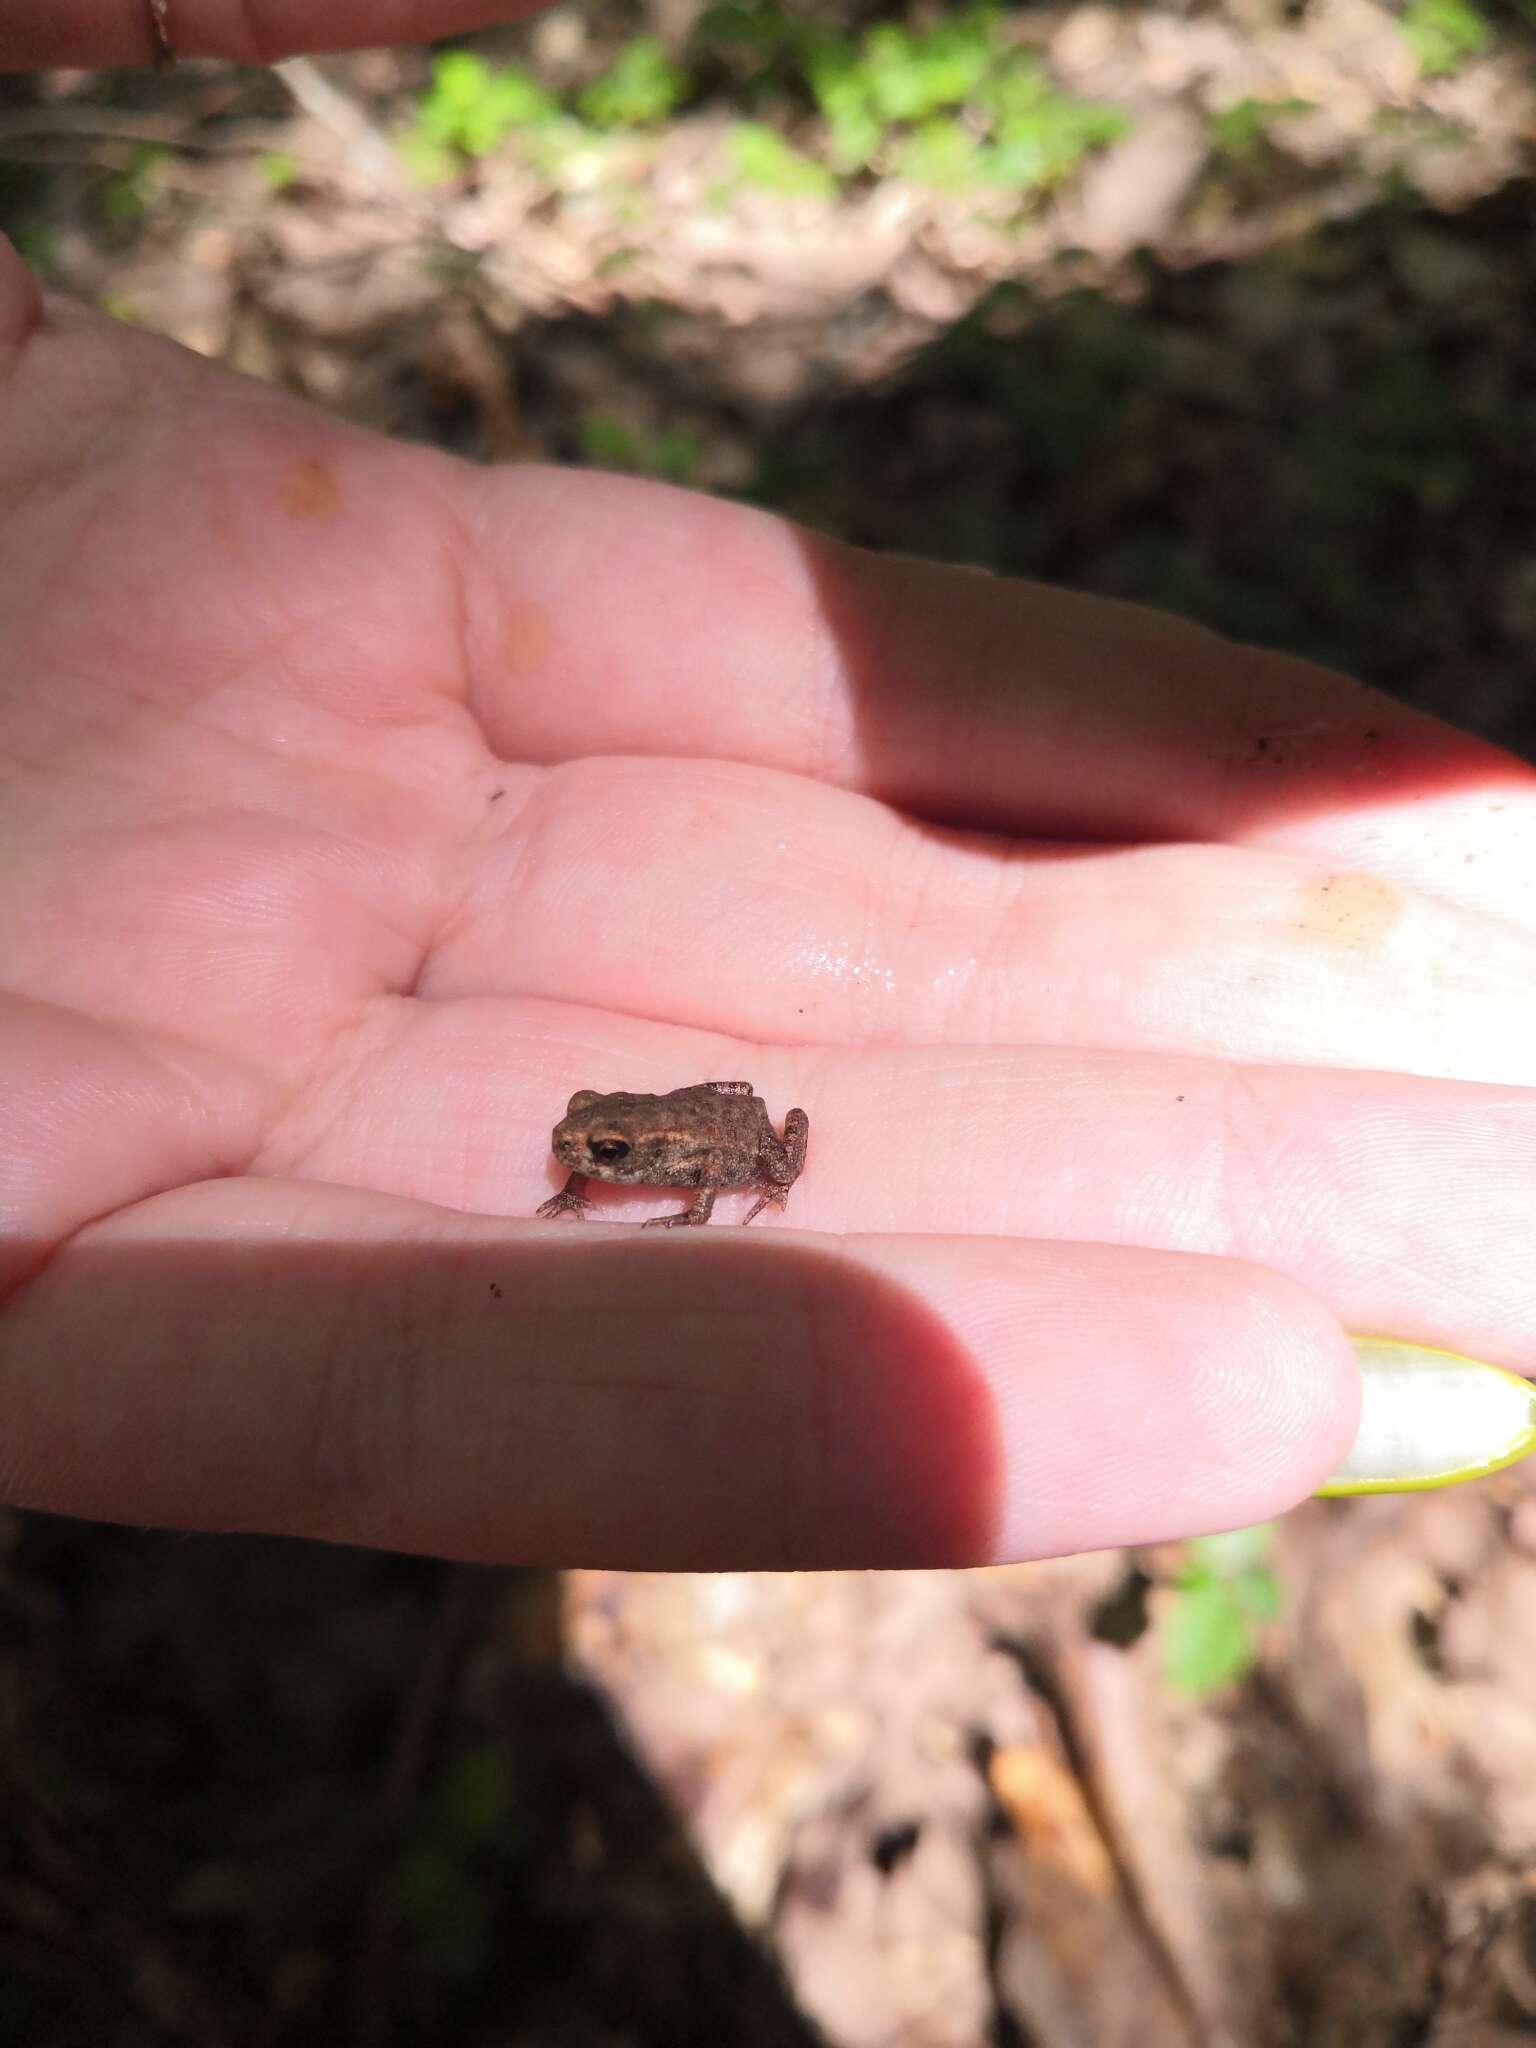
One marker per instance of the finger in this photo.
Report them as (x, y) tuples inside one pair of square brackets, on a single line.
[(256, 1355), (1405, 1204), (761, 905), (35, 33), (95, 1115), (596, 615), (613, 616)]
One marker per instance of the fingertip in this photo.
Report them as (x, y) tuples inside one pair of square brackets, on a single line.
[(1154, 1395), (1274, 1384)]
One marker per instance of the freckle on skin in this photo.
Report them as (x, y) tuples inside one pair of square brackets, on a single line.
[(309, 491), (1352, 911), (525, 638)]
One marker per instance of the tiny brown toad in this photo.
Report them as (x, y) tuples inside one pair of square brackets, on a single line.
[(711, 1136)]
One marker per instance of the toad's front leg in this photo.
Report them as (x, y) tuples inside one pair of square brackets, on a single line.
[(570, 1201), (699, 1213)]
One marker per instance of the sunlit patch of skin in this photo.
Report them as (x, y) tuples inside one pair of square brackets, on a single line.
[(1352, 911)]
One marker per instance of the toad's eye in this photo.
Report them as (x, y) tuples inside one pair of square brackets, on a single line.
[(609, 1149)]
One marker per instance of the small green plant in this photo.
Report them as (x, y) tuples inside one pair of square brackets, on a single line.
[(894, 75), (854, 129), (1243, 128), (469, 110), (641, 86), (125, 197), (468, 1843), (952, 105), (280, 169), (672, 453), (760, 156), (1040, 135), (38, 249), (766, 32), (957, 103), (1222, 1592), (1443, 34), (910, 74), (940, 152)]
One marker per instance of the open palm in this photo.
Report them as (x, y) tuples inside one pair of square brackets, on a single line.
[(1161, 1011)]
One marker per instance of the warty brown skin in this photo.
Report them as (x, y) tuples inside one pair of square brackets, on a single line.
[(713, 1135)]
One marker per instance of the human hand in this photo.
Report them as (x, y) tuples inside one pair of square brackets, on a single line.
[(359, 805), (35, 33)]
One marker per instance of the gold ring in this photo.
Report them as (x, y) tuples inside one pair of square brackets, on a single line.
[(160, 34)]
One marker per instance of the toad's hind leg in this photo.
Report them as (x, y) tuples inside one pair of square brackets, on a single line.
[(797, 1135), (780, 1174)]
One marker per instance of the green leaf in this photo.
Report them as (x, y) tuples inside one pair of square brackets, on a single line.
[(428, 161), (641, 86), (37, 248), (760, 156), (1443, 34), (1257, 1593), (609, 443), (910, 76), (446, 1909), (676, 455), (940, 153), (841, 91), (766, 31), (674, 452), (472, 1801), (126, 197), (1239, 129), (1039, 147), (854, 133), (472, 109), (1205, 1640), (1014, 88)]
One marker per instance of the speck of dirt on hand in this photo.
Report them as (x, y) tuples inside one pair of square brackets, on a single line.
[(309, 491)]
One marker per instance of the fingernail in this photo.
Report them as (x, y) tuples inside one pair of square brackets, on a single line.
[(1432, 1418)]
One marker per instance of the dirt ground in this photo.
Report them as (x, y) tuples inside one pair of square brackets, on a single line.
[(259, 1793)]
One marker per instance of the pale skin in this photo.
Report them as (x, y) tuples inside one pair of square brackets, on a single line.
[(1163, 1009)]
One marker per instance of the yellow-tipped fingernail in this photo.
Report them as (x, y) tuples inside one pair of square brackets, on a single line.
[(1432, 1418)]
